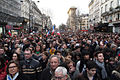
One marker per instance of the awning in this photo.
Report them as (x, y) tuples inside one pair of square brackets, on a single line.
[(102, 24), (116, 24)]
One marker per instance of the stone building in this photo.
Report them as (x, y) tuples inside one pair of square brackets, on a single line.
[(71, 22), (108, 13), (10, 11)]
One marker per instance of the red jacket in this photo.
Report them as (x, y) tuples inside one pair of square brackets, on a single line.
[(3, 72)]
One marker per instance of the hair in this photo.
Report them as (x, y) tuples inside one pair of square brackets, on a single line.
[(12, 61), (46, 53), (91, 64), (98, 52), (27, 49), (58, 51), (61, 69), (54, 56), (18, 56)]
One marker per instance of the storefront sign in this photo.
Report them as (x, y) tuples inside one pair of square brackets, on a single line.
[(8, 27)]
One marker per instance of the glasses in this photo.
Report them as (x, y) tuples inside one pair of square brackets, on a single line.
[(12, 67)]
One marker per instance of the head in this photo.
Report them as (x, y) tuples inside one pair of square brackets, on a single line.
[(37, 48), (28, 53), (99, 56), (45, 55), (15, 56), (59, 53), (12, 68), (61, 73), (91, 68), (1, 51), (54, 62)]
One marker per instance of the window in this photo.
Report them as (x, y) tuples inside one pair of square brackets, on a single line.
[(105, 7), (111, 4), (101, 10), (118, 16)]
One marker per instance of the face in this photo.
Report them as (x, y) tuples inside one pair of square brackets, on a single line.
[(68, 57), (91, 72), (1, 51), (13, 69), (71, 67), (100, 57), (14, 57), (28, 54), (44, 56), (60, 76), (86, 57), (37, 48), (59, 55), (54, 63)]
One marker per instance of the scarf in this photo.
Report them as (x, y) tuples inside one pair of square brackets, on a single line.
[(10, 78), (103, 71)]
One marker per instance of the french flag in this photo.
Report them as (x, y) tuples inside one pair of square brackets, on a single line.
[(47, 34), (58, 33), (9, 33), (53, 30)]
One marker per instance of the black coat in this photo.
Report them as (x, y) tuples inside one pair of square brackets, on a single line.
[(85, 77), (46, 74)]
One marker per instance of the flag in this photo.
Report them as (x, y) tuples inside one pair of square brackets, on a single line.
[(9, 33), (53, 31), (47, 34), (58, 33)]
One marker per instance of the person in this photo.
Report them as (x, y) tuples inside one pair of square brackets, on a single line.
[(44, 60), (116, 72), (13, 71), (101, 65), (30, 68), (61, 74), (59, 53), (16, 57), (48, 72), (3, 66), (90, 72)]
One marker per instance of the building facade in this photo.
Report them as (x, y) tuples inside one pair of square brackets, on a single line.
[(9, 14), (71, 22), (94, 13), (36, 17), (25, 9), (109, 15), (83, 22)]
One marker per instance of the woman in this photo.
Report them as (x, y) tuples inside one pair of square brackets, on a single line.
[(13, 71), (16, 57)]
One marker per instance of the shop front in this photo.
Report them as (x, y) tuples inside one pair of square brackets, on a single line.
[(116, 27)]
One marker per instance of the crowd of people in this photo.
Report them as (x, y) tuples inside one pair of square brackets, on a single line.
[(69, 56)]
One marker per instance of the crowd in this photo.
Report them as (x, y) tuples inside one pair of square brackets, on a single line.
[(69, 56)]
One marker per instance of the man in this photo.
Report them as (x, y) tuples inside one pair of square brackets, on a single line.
[(30, 68), (48, 72), (90, 72), (101, 69), (61, 74), (2, 53)]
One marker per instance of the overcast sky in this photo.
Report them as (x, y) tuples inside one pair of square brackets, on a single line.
[(57, 9)]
